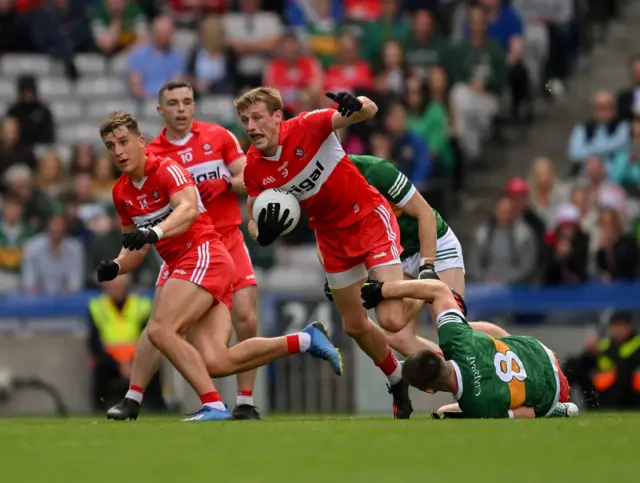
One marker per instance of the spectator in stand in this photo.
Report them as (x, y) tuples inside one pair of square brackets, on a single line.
[(478, 74), (293, 72), (76, 228), (103, 180), (88, 204), (254, 35), (117, 25), (318, 23), (33, 115), (187, 12), (562, 46), (605, 135), (83, 158), (53, 262), (518, 192), (19, 183), (409, 153), (212, 65), (625, 168), (12, 151), (617, 255), (152, 64), (629, 99), (546, 191), (350, 73), (589, 216), (380, 145), (504, 249), (569, 247), (392, 70), (506, 27), (50, 176), (391, 25), (427, 116), (14, 233), (14, 29), (426, 48), (600, 190), (363, 10), (61, 29)]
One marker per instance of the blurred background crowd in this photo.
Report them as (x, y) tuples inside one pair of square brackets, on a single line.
[(454, 79)]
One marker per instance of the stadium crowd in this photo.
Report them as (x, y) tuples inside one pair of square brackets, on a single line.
[(447, 75)]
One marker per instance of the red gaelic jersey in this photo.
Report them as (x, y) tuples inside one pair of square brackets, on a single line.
[(148, 202), (348, 77), (311, 164), (206, 154)]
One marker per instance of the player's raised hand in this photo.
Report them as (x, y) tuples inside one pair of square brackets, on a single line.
[(347, 104), (212, 188), (427, 272), (271, 224), (138, 238), (107, 270), (371, 293)]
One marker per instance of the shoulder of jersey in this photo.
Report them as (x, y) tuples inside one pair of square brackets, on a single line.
[(154, 144)]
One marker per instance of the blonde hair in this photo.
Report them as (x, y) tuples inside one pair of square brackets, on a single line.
[(117, 120), (270, 96)]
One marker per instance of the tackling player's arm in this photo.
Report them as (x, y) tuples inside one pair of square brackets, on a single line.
[(366, 112), (129, 260), (252, 226), (434, 291), (418, 208), (237, 180)]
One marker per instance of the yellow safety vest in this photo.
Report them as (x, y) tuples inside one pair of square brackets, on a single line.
[(120, 330), (606, 376)]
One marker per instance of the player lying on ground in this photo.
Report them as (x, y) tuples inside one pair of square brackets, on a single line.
[(431, 248), (215, 160), (158, 204), (507, 377), (355, 229)]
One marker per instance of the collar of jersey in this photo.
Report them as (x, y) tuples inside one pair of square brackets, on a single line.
[(195, 128), (149, 166), (275, 157), (456, 368)]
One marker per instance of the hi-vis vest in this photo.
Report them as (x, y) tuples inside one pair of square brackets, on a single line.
[(120, 330), (607, 375)]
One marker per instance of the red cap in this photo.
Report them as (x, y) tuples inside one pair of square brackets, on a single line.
[(517, 186)]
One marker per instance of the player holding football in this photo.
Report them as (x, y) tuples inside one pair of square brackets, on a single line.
[(355, 229), (212, 155), (506, 377), (159, 204)]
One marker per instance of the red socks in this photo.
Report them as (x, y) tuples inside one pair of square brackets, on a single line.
[(391, 368), (136, 393), (210, 397)]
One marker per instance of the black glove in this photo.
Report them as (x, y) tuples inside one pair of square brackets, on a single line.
[(139, 238), (371, 293), (327, 290), (447, 415), (271, 224), (107, 270), (427, 272), (460, 301), (347, 104)]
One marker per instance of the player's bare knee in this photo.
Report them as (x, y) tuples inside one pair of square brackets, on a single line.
[(157, 333), (355, 328), (218, 364)]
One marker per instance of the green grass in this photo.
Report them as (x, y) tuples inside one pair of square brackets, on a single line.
[(594, 448)]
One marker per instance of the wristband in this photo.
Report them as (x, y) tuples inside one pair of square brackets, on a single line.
[(119, 267), (427, 261), (158, 231), (511, 415)]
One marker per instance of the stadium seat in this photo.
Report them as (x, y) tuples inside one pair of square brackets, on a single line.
[(99, 109), (7, 91), (52, 88), (217, 109), (79, 132), (91, 64), (14, 65), (65, 111), (118, 65), (185, 39), (107, 87)]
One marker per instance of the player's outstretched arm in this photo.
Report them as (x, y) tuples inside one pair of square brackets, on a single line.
[(351, 110), (252, 226), (418, 208), (237, 180), (433, 291), (127, 261), (185, 212)]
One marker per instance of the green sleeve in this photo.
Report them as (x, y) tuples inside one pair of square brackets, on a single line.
[(498, 77), (454, 333), (393, 185)]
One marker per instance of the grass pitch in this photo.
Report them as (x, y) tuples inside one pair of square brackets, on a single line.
[(591, 448)]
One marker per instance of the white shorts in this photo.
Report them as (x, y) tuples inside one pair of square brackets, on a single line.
[(448, 255)]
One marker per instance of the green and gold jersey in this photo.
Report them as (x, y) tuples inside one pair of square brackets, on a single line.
[(396, 188), (496, 375)]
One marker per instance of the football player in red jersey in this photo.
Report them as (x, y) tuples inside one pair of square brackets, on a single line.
[(356, 231), (214, 158), (159, 204)]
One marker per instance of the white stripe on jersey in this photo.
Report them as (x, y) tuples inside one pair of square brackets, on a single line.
[(178, 176), (384, 215), (202, 264), (399, 184), (309, 181), (152, 218), (450, 316)]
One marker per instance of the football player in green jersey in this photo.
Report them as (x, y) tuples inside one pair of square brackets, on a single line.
[(506, 377)]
